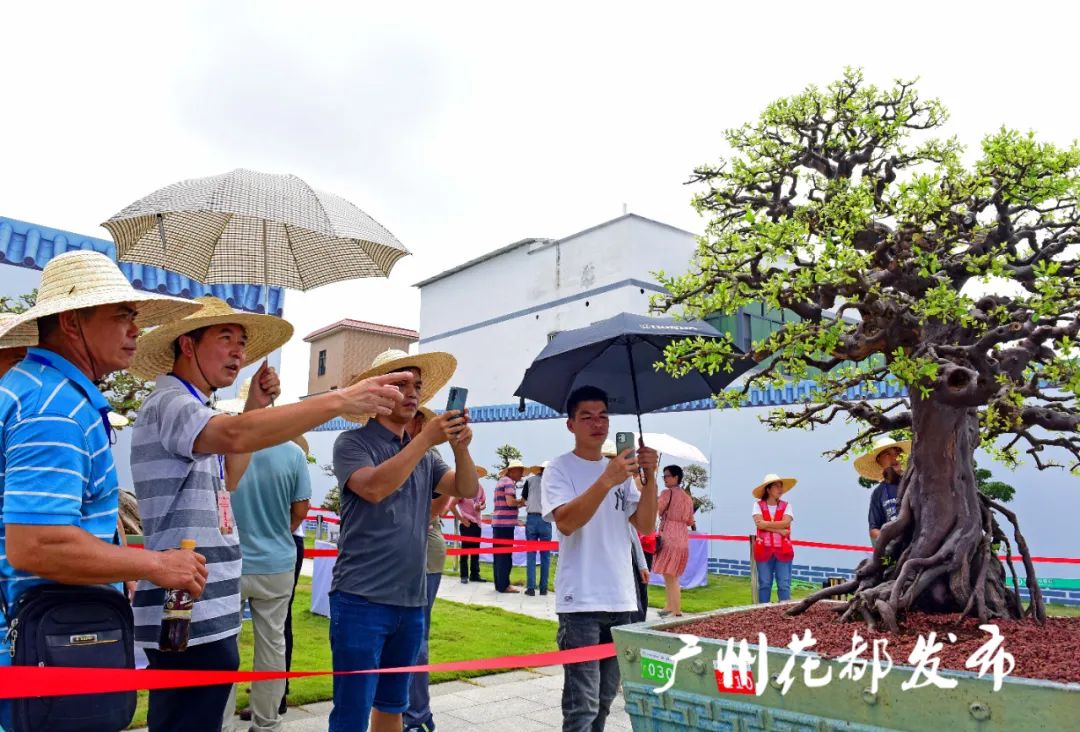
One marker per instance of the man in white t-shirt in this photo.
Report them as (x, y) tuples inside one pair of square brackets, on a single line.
[(590, 500)]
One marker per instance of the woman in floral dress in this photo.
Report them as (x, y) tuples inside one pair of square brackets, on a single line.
[(676, 511)]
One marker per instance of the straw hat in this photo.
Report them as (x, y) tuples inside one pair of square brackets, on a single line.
[(154, 351), (481, 471), (435, 367), (118, 421), (303, 443), (428, 414), (17, 335), (526, 470), (867, 466), (608, 449), (759, 490), (86, 279)]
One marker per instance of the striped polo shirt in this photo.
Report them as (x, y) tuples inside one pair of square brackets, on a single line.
[(502, 513), (177, 492), (56, 468)]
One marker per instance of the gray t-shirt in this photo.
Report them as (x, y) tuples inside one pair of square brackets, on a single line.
[(382, 549), (177, 491), (532, 500)]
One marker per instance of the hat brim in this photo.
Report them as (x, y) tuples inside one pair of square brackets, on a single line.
[(436, 369), (867, 465), (14, 334), (153, 310), (481, 471), (302, 442), (759, 491), (154, 350)]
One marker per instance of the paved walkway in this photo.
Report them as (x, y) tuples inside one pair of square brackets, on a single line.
[(524, 701)]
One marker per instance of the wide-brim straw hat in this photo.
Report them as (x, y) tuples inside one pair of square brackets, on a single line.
[(15, 334), (436, 369), (86, 279), (118, 421), (237, 404), (608, 449), (526, 469), (867, 466), (481, 471), (303, 443), (154, 350), (759, 490)]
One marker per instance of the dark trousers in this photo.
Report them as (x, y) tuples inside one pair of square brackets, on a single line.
[(288, 618), (589, 687), (502, 562), (195, 707), (642, 591), (419, 711), (474, 560)]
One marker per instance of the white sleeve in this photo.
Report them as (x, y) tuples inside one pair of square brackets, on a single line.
[(757, 509), (555, 490)]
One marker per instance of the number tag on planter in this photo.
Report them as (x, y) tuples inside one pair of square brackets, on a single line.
[(737, 686), (656, 666)]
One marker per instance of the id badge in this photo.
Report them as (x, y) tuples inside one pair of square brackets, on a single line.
[(226, 524)]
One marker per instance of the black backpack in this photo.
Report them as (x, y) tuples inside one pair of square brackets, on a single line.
[(69, 626)]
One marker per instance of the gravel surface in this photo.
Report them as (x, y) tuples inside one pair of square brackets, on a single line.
[(1049, 652)]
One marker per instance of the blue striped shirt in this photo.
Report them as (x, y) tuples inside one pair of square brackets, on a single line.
[(56, 468)]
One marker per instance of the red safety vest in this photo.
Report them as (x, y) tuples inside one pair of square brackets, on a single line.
[(769, 543)]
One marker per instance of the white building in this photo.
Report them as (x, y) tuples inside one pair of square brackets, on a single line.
[(496, 313)]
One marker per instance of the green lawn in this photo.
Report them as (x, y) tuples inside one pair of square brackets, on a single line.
[(459, 633)]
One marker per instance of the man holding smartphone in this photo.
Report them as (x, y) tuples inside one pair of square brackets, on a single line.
[(590, 500), (379, 588)]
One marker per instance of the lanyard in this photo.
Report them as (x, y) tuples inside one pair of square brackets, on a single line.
[(104, 412), (194, 393)]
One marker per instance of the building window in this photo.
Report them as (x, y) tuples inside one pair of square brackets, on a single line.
[(322, 363)]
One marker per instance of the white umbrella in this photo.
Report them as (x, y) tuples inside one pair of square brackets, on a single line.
[(255, 228), (673, 447)]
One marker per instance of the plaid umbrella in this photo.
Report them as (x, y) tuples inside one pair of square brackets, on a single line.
[(256, 228)]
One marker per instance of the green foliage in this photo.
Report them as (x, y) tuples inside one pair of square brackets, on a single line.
[(332, 501), (505, 453), (696, 477), (846, 207)]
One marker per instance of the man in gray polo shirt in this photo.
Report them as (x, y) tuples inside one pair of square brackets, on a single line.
[(379, 589), (186, 458)]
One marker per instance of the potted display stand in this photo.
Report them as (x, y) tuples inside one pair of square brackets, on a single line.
[(694, 702)]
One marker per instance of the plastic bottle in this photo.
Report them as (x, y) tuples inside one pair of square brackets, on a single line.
[(176, 619)]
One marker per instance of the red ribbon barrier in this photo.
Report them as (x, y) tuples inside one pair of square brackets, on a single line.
[(24, 681)]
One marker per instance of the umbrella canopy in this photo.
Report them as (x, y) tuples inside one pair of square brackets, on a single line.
[(257, 228), (673, 447), (619, 356)]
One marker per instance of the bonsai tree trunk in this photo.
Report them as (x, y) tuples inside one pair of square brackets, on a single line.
[(938, 555)]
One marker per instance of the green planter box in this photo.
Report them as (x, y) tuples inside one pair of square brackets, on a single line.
[(695, 703)]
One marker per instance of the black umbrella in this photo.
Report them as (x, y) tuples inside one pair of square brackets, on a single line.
[(619, 355)]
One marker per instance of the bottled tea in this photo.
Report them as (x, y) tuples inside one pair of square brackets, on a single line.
[(176, 620)]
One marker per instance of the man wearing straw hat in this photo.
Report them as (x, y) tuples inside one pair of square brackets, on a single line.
[(58, 483), (14, 340), (883, 463), (271, 501), (186, 458), (388, 480)]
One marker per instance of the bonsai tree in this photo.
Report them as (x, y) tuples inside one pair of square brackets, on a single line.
[(895, 257), (505, 453), (697, 477)]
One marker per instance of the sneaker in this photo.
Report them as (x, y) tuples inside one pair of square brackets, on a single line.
[(543, 592), (477, 579), (464, 581), (426, 727), (530, 593), (245, 715)]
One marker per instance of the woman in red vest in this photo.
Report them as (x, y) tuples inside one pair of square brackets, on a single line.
[(773, 552)]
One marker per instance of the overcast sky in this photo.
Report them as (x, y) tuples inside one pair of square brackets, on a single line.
[(465, 126)]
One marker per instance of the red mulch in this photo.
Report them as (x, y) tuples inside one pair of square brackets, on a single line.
[(1051, 651)]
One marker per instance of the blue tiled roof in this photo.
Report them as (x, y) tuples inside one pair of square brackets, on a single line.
[(790, 393), (28, 245)]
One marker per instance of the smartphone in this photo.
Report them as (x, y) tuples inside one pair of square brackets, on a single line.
[(624, 441), (456, 400)]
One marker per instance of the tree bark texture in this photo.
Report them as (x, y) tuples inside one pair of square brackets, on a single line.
[(938, 555)]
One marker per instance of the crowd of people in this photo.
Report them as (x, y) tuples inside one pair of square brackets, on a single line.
[(232, 476)]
